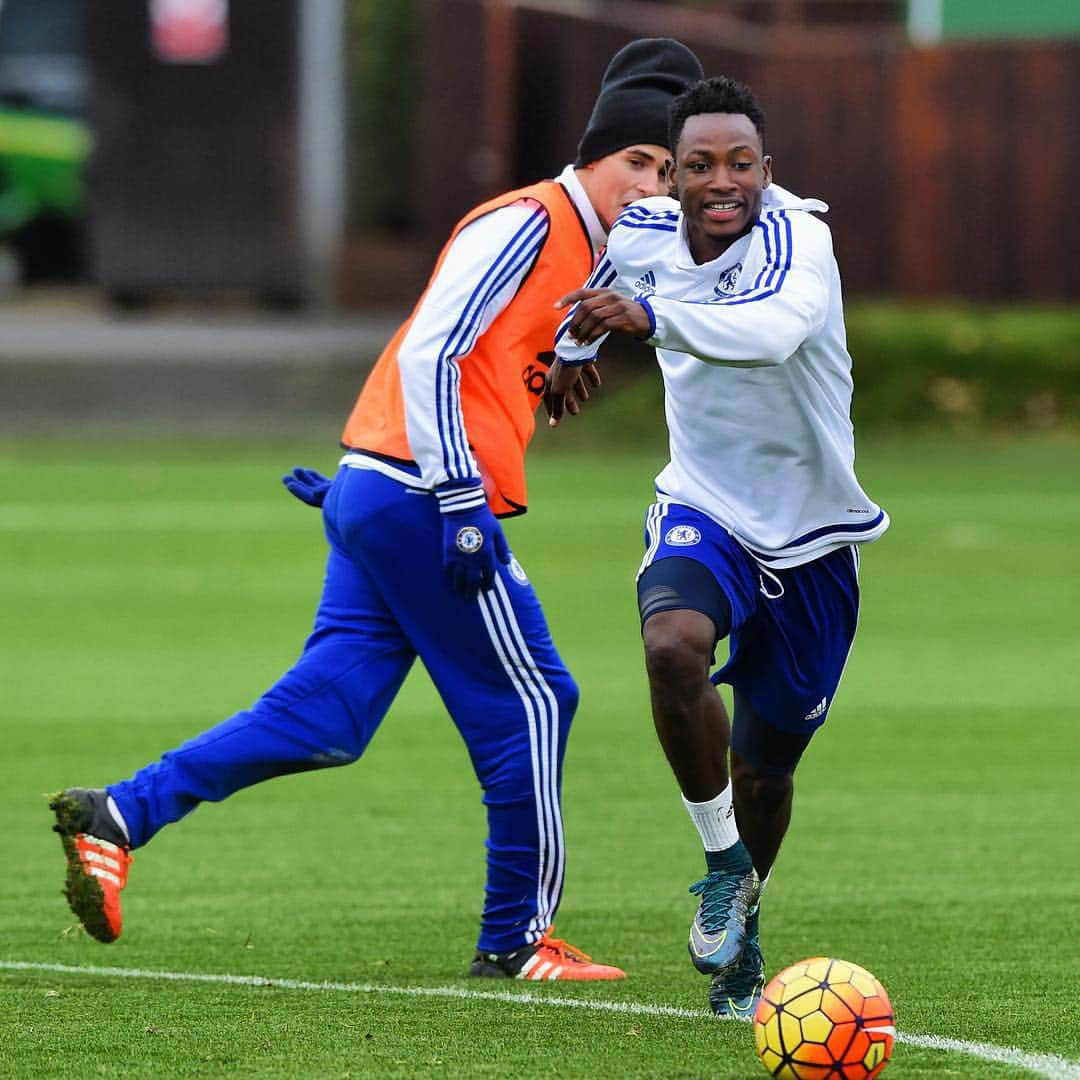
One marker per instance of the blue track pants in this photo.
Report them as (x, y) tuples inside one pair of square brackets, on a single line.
[(386, 601)]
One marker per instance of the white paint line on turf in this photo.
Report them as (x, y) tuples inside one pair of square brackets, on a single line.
[(1041, 1064), (525, 997), (1047, 1065)]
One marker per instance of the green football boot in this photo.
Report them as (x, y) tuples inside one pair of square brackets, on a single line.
[(734, 994), (728, 893)]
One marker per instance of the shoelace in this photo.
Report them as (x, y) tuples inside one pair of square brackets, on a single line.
[(564, 948), (720, 892)]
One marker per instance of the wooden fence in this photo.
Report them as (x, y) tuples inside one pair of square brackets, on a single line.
[(949, 171)]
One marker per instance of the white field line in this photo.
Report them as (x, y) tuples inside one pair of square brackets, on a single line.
[(1047, 1065)]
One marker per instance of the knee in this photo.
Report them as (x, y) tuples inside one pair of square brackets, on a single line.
[(767, 791), (677, 654)]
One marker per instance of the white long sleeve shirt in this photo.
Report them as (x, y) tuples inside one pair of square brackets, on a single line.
[(757, 377), (481, 273)]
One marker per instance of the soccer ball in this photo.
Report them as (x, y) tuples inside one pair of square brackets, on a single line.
[(824, 1019)]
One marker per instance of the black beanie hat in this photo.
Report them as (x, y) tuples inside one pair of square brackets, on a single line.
[(636, 92)]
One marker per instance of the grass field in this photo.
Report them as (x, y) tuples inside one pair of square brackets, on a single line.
[(150, 590)]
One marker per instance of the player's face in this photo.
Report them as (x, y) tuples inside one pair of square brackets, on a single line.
[(615, 181), (719, 173)]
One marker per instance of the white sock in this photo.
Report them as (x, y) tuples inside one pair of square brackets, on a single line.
[(110, 805), (715, 820)]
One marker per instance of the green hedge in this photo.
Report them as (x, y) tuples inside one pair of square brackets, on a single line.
[(965, 365), (944, 367)]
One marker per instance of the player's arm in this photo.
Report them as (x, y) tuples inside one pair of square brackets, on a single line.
[(760, 326), (481, 272), (479, 276), (574, 369), (600, 311)]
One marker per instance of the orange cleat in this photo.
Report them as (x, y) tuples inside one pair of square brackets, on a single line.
[(97, 868), (549, 959)]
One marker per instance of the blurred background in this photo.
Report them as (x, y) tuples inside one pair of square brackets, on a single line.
[(257, 188)]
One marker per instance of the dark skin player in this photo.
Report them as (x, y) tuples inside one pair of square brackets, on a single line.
[(718, 175)]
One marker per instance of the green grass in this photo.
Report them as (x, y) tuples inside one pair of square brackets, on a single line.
[(150, 590)]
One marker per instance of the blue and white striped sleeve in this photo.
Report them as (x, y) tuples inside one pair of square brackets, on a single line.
[(480, 274), (765, 323), (604, 275)]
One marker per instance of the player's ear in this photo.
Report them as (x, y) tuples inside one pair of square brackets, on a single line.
[(673, 187), (766, 169)]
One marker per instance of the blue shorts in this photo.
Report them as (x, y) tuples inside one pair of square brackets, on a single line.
[(790, 630)]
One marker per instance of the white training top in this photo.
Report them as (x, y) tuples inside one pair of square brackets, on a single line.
[(757, 376), (481, 274)]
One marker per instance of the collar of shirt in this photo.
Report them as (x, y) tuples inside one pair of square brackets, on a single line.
[(737, 252), (597, 235)]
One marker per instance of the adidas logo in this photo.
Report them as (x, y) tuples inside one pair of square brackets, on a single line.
[(817, 710), (646, 284)]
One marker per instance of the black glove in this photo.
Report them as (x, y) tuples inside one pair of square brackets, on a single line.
[(473, 540), (308, 485)]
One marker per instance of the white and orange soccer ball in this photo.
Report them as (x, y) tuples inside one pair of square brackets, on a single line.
[(824, 1019)]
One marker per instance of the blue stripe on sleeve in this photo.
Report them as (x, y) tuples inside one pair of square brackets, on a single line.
[(601, 278), (641, 212), (522, 249), (643, 300), (654, 226), (640, 217)]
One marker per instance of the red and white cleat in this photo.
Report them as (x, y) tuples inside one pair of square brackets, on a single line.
[(548, 960), (97, 868)]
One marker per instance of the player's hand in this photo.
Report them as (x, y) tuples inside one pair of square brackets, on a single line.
[(565, 386), (600, 311), (473, 540), (308, 485)]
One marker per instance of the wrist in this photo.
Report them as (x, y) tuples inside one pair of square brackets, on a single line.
[(648, 308), (455, 498)]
